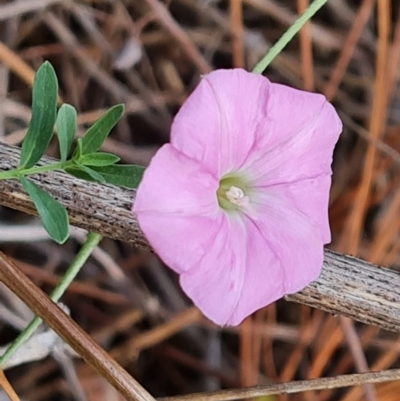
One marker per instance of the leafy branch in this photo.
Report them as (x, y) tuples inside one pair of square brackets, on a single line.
[(86, 162)]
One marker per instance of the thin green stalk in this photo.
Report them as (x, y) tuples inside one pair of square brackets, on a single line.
[(288, 36), (6, 175), (80, 259)]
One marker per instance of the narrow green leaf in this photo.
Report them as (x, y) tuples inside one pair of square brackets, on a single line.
[(78, 150), (124, 175), (44, 108), (98, 132), (66, 128), (94, 174), (99, 159), (85, 173), (78, 173), (53, 214)]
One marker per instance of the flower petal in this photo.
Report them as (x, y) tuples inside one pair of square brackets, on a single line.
[(217, 124), (299, 137), (176, 206), (181, 242), (285, 253), (175, 183), (311, 199), (263, 281), (293, 238), (215, 284), (254, 263)]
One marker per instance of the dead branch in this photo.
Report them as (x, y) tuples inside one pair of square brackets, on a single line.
[(347, 286)]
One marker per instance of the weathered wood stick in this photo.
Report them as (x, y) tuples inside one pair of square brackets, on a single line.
[(105, 209), (347, 286), (356, 289)]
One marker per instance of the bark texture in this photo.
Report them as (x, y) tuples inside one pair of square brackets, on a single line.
[(347, 286)]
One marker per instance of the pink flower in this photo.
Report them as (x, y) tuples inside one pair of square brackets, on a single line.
[(237, 203)]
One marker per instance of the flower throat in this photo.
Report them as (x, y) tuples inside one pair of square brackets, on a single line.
[(231, 193)]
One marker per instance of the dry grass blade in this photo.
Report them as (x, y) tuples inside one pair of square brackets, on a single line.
[(4, 383), (306, 50), (237, 32), (348, 48), (70, 332), (131, 348), (350, 243), (292, 387), (180, 35), (358, 354), (21, 7), (16, 64)]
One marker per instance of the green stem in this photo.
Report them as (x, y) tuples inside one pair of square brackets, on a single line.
[(6, 175), (288, 36), (76, 265)]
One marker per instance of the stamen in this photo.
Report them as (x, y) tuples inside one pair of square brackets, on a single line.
[(236, 196)]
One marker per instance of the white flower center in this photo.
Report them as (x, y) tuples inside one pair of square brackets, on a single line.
[(236, 196)]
